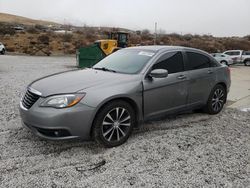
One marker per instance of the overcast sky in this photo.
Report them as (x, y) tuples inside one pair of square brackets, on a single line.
[(216, 17)]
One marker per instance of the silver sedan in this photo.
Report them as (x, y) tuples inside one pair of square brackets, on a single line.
[(223, 58), (130, 86)]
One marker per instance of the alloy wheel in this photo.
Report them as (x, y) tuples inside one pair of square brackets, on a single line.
[(116, 124), (218, 100)]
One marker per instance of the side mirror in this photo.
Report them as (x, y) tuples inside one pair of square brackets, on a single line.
[(159, 73)]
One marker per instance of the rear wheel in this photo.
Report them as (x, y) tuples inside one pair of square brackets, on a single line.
[(216, 100), (247, 62), (114, 123)]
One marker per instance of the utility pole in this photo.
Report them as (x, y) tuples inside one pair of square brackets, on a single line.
[(155, 38)]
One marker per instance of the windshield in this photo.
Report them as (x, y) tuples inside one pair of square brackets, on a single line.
[(125, 61)]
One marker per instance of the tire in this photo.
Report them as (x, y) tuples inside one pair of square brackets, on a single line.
[(114, 124), (3, 51), (247, 62), (216, 100), (224, 63)]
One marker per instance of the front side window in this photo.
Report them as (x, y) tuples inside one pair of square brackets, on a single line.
[(233, 53), (197, 61), (246, 53), (172, 61), (228, 53)]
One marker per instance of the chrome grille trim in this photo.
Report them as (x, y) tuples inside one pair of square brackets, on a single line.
[(30, 97)]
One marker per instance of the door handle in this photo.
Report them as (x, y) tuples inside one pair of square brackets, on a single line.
[(209, 71), (181, 77)]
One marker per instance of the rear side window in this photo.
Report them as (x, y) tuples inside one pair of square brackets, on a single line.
[(173, 62), (233, 53), (197, 61)]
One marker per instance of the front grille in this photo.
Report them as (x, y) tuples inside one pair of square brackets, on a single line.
[(29, 99)]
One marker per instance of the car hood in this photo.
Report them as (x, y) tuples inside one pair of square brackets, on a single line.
[(74, 81)]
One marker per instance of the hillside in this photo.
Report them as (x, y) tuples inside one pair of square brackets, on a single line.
[(44, 37), (13, 19)]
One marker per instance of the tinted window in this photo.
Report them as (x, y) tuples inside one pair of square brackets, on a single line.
[(228, 53), (213, 63), (236, 53), (173, 62), (233, 53), (197, 61)]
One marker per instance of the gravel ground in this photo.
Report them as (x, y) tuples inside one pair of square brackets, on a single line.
[(186, 150)]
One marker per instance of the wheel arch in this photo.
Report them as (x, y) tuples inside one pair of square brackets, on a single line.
[(130, 101), (224, 61), (208, 108), (224, 85), (245, 60)]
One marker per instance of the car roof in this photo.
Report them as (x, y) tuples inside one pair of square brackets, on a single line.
[(219, 53), (232, 51), (157, 48)]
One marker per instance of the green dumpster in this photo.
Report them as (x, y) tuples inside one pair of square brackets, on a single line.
[(89, 56)]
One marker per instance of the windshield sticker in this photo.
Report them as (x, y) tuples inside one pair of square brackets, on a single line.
[(150, 54)]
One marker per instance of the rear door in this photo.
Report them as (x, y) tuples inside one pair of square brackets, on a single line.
[(163, 95), (201, 77)]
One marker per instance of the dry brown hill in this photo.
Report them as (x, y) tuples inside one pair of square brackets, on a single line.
[(37, 37), (13, 19)]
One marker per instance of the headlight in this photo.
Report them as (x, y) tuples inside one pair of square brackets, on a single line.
[(62, 101)]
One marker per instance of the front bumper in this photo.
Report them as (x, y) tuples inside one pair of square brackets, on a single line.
[(58, 124)]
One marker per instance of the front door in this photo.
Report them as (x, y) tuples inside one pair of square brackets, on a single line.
[(163, 95)]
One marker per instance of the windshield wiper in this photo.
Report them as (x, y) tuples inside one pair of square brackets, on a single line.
[(104, 69)]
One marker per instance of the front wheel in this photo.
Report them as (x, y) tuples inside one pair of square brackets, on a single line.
[(3, 51), (216, 100), (114, 123), (224, 63)]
